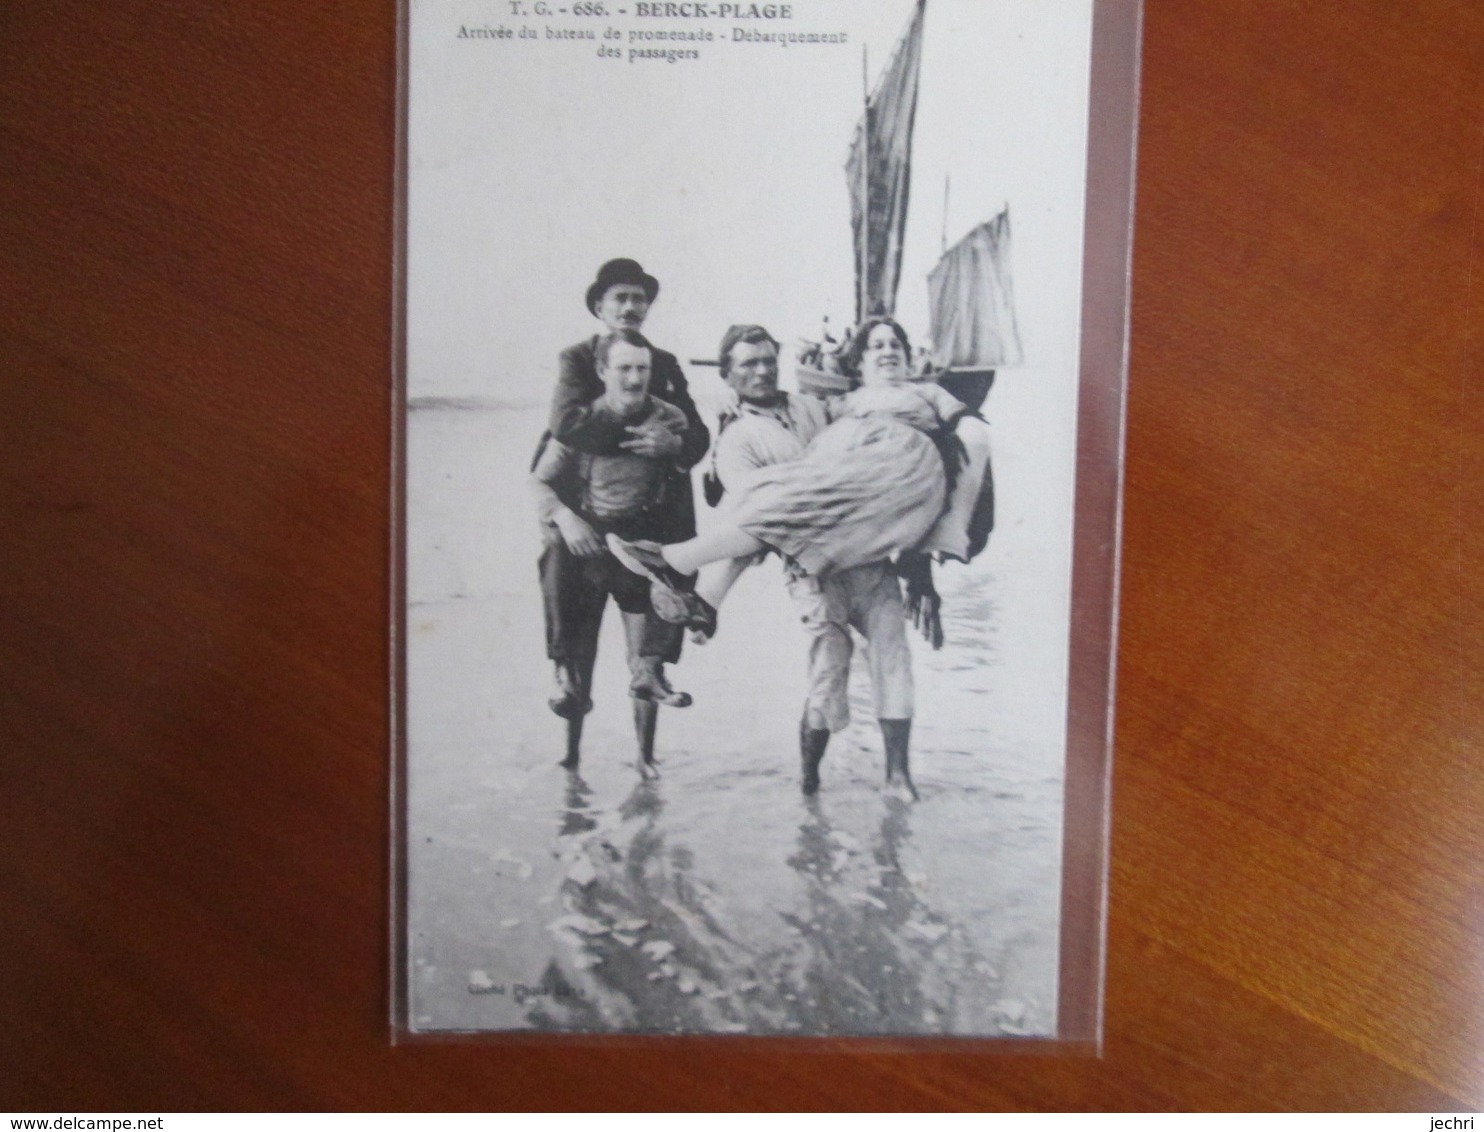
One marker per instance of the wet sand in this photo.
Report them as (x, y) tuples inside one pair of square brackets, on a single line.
[(717, 898)]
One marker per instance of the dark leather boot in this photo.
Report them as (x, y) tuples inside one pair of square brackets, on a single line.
[(812, 742), (649, 683), (896, 735), (568, 699)]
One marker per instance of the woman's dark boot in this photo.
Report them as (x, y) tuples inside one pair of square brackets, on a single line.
[(896, 735), (812, 742)]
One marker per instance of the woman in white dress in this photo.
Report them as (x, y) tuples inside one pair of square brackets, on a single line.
[(870, 485)]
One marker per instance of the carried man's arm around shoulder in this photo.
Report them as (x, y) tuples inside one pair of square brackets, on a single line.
[(574, 419), (660, 436), (671, 386)]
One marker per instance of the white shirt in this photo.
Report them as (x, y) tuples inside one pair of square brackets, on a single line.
[(758, 436)]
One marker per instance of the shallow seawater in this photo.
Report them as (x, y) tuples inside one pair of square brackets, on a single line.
[(715, 897)]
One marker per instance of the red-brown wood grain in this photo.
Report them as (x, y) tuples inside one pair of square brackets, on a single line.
[(196, 293)]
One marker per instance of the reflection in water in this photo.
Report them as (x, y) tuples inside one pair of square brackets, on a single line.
[(851, 945), (575, 817), (871, 956), (855, 975), (638, 940)]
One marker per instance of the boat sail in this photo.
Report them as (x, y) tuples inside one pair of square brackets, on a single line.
[(879, 172), (971, 299), (973, 311)]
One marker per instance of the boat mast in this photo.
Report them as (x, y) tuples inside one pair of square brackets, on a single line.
[(943, 247), (864, 283)]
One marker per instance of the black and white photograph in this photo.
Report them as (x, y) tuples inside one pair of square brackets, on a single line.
[(740, 433)]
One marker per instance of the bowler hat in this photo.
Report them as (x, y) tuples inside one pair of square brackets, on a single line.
[(617, 271)]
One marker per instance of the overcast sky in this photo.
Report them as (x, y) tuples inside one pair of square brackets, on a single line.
[(532, 161)]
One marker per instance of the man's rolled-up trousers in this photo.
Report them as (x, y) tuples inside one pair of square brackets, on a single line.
[(574, 592), (868, 599)]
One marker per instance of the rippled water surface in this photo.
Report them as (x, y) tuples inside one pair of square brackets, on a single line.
[(716, 897)]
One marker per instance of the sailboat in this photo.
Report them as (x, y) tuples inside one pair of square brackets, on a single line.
[(971, 300)]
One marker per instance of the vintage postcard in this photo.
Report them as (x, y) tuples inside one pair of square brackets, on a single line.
[(746, 374)]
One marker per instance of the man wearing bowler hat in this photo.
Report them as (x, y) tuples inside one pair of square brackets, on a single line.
[(620, 297)]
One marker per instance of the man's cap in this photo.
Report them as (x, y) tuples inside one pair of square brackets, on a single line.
[(738, 331), (617, 271)]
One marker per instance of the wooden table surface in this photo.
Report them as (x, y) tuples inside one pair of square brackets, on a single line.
[(196, 210)]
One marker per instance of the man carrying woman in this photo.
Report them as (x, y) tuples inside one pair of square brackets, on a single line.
[(870, 485)]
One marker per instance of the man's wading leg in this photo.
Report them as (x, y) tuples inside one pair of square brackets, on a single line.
[(646, 717), (581, 672), (896, 735), (878, 615), (650, 642), (823, 609), (812, 744), (574, 612)]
